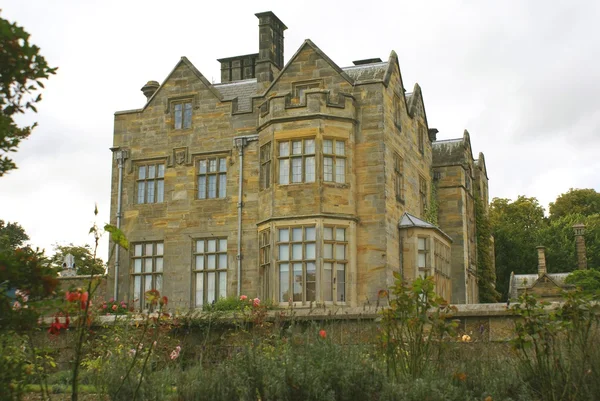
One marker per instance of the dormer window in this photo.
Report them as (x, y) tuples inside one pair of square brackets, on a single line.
[(183, 115)]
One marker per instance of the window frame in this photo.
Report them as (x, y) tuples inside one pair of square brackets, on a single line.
[(264, 259), (220, 172), (397, 112), (205, 271), (335, 263), (399, 177), (304, 262), (155, 274), (265, 166), (290, 157), (335, 158), (185, 113), (421, 138), (158, 180), (425, 252), (422, 195)]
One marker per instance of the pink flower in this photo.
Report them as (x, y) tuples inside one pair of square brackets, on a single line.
[(175, 353), (243, 298), (323, 334), (256, 302), (114, 307), (104, 306), (16, 305)]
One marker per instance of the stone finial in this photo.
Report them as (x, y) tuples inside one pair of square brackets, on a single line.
[(150, 88), (579, 230), (68, 266), (541, 261)]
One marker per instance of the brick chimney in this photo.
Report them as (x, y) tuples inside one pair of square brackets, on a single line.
[(579, 230), (541, 261), (270, 49)]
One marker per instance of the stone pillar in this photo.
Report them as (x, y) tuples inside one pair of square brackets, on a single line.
[(579, 230), (541, 261), (270, 49)]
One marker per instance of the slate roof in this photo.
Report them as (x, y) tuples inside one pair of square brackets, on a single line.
[(526, 281), (243, 90), (409, 221), (367, 72)]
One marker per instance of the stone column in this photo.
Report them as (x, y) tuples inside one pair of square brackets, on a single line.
[(541, 261), (579, 230)]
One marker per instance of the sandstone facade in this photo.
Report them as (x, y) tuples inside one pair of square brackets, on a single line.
[(287, 182)]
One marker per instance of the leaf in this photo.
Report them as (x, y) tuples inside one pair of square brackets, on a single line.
[(117, 236)]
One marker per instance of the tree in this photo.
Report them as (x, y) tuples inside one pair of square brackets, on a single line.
[(587, 280), (21, 70), (515, 227), (577, 201), (85, 262), (12, 236)]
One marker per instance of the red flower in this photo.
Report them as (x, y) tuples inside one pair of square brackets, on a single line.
[(323, 333), (163, 301)]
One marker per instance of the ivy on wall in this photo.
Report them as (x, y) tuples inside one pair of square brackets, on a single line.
[(485, 262), (431, 213)]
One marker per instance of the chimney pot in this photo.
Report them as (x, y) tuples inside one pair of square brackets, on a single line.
[(579, 230), (150, 88)]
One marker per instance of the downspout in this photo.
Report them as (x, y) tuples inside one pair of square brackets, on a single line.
[(240, 142), (120, 155)]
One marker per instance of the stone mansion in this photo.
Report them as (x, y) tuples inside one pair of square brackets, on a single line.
[(304, 183)]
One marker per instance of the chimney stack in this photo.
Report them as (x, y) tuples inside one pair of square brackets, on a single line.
[(270, 49), (149, 89), (541, 261), (580, 246)]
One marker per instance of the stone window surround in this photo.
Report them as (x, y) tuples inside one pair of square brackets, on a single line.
[(397, 112), (292, 157), (141, 257), (423, 254), (220, 174), (136, 164), (265, 166), (192, 98), (335, 158), (203, 253), (399, 177), (422, 195)]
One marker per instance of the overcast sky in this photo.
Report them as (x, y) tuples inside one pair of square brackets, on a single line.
[(523, 77)]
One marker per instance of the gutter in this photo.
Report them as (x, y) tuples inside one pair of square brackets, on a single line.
[(120, 155), (239, 142)]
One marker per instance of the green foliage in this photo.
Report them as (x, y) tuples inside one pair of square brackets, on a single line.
[(15, 369), (85, 263), (413, 327), (485, 252), (588, 281), (21, 70), (557, 348), (577, 201), (12, 236), (515, 226), (116, 235), (431, 214)]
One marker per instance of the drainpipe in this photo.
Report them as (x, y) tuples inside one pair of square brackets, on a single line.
[(240, 142), (120, 155)]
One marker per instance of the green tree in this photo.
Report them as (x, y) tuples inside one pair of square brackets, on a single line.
[(485, 255), (21, 70), (515, 227), (12, 236), (587, 280), (577, 201), (85, 262)]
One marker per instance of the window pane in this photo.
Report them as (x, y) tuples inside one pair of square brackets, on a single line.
[(187, 118), (340, 170), (222, 245), (311, 278), (284, 235), (340, 234), (160, 247), (212, 245), (223, 261), (222, 164), (327, 169), (421, 260), (284, 252), (341, 283), (298, 282), (222, 284), (310, 251), (202, 166), (149, 249), (310, 233), (147, 283), (137, 288), (212, 186), (328, 146), (222, 185), (202, 187), (297, 234), (296, 169), (297, 147), (148, 265), (340, 251), (309, 169), (199, 288), (284, 171), (200, 246), (178, 116), (327, 282), (284, 148), (284, 282), (150, 192), (158, 282), (138, 250), (137, 266), (328, 233), (152, 171), (161, 170), (210, 288), (160, 191), (297, 252), (159, 264), (422, 244), (142, 172), (211, 262), (199, 262), (328, 251), (212, 165), (309, 146), (141, 192), (340, 148)]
